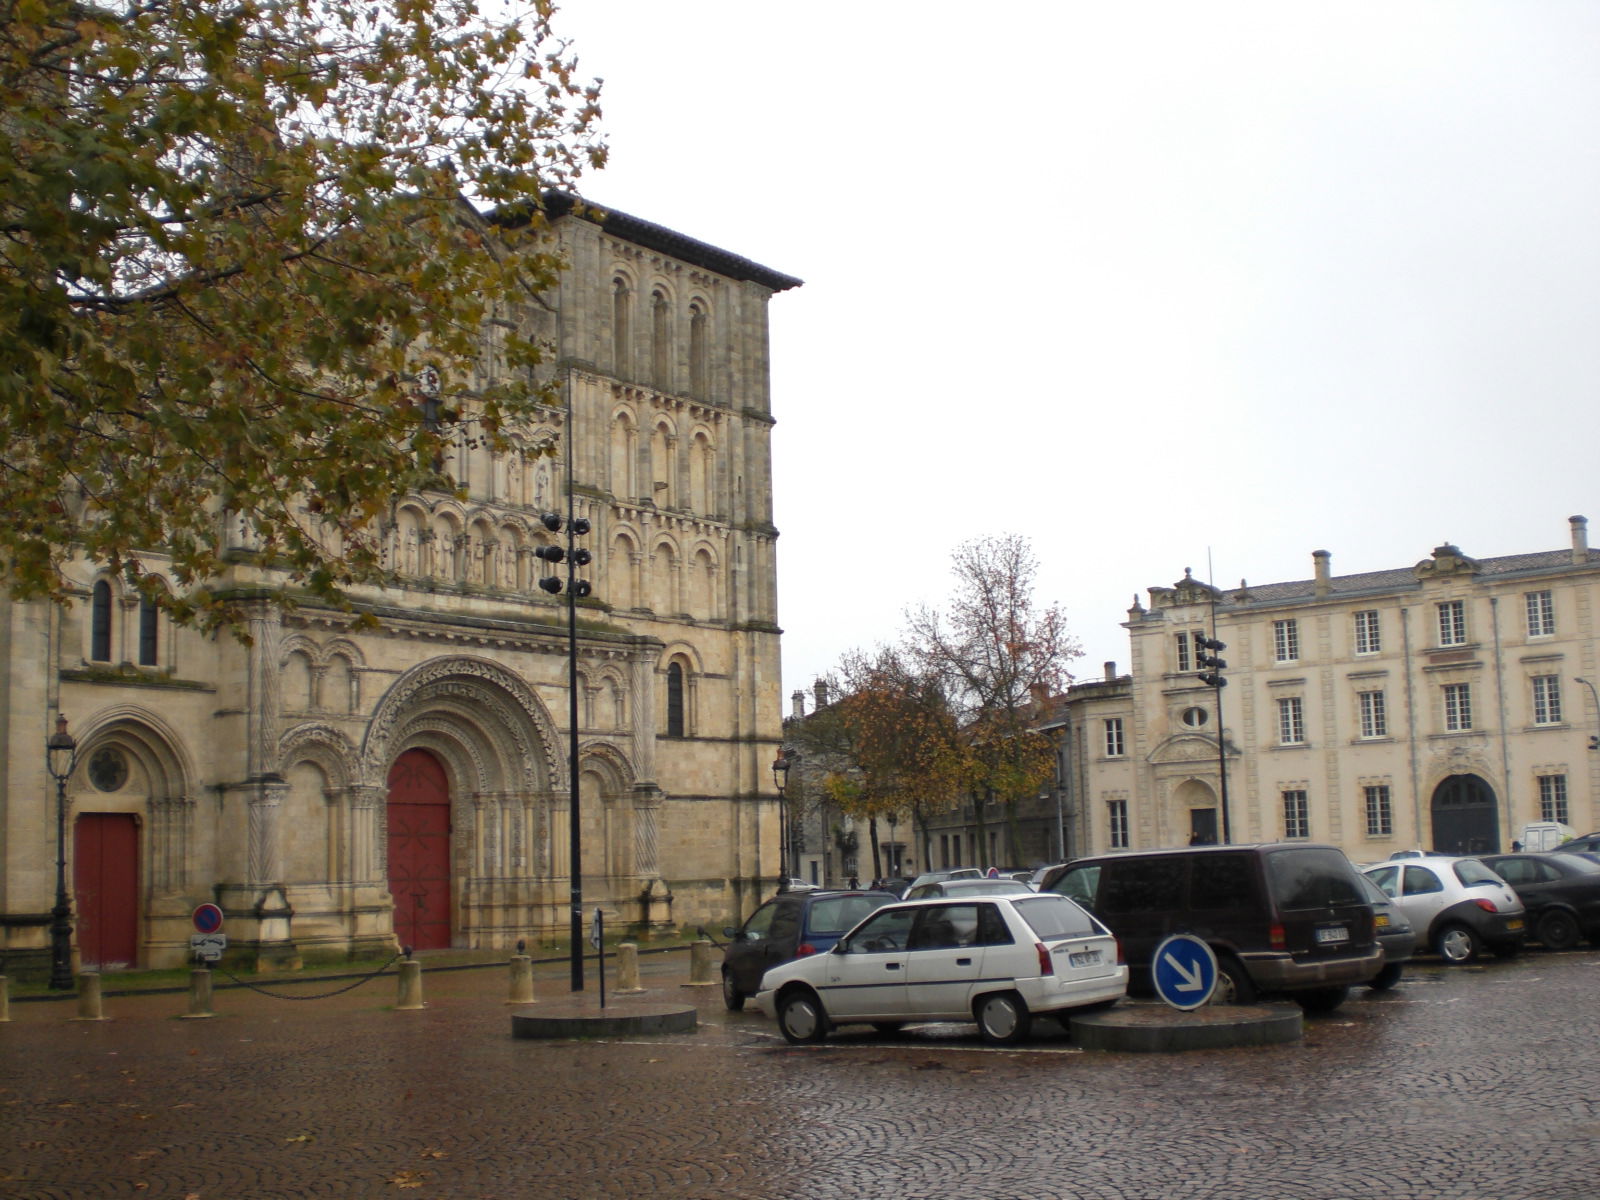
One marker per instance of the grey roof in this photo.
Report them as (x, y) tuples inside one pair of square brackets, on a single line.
[(1402, 578)]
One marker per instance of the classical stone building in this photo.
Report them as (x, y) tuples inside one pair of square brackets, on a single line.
[(343, 791), (1442, 705)]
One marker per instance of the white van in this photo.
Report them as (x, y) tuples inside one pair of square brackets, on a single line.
[(1545, 835)]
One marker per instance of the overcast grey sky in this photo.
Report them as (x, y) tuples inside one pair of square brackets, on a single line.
[(1142, 282)]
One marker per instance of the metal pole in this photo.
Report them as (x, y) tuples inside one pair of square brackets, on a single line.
[(60, 926), (574, 827)]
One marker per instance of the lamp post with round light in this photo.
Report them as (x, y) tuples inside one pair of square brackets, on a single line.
[(61, 755)]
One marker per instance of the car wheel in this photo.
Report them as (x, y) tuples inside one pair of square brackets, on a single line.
[(1234, 985), (1321, 1000), (1003, 1018), (1558, 931), (731, 995), (1386, 978), (801, 1019), (888, 1028), (1457, 944)]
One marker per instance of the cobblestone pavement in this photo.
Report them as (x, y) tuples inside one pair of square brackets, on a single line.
[(1477, 1083)]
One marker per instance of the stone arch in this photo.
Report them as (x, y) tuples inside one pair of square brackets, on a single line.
[(702, 472), (700, 585), (622, 569), (663, 462), (320, 743), (482, 719), (605, 784), (624, 453), (664, 594), (679, 668)]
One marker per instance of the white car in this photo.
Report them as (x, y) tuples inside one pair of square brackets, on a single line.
[(996, 960)]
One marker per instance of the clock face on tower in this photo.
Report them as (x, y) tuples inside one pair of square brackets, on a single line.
[(429, 382)]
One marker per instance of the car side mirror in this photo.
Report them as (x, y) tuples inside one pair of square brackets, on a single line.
[(728, 931)]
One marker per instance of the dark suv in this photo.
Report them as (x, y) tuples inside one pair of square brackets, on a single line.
[(790, 925), (1289, 918)]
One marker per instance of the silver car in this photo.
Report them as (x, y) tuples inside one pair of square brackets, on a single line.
[(995, 960), (1457, 906)]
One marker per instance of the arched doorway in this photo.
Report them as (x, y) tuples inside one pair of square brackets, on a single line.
[(1464, 816), (419, 850)]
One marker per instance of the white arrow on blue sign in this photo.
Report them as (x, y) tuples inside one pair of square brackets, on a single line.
[(1184, 971)]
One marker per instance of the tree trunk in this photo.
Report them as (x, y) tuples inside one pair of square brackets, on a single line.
[(877, 861)]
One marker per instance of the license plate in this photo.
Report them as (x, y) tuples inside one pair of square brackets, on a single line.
[(1083, 958), (1337, 934), (1514, 923)]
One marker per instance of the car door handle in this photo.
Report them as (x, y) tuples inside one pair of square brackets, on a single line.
[(891, 966), (963, 962)]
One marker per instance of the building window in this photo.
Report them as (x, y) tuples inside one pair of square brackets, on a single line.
[(1458, 706), (1374, 716), (1116, 747), (1117, 812), (1185, 653), (699, 350), (1453, 623), (149, 624), (621, 324), (1380, 811), (1553, 798), (675, 700), (100, 623), (1286, 640), (660, 344), (1291, 721), (1541, 614), (1546, 699), (1194, 718), (1296, 814), (1367, 639)]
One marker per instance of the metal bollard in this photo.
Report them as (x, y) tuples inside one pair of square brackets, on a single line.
[(628, 967), (199, 994), (410, 986), (700, 973), (521, 980), (5, 999), (89, 1008)]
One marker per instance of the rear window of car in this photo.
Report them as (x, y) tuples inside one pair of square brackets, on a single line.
[(1312, 878), (835, 914), (1470, 871), (1057, 917)]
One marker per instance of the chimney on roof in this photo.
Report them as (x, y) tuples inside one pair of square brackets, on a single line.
[(798, 702), (1111, 672), (1320, 560), (1580, 540), (820, 688)]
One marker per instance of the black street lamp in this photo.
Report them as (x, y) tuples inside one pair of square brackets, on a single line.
[(894, 845), (780, 778), (61, 755)]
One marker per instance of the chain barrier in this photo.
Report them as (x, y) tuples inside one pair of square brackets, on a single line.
[(349, 987)]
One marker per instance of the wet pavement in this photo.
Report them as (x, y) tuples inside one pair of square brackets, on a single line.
[(1478, 1083)]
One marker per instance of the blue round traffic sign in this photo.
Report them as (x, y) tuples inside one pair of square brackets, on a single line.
[(1184, 971), (207, 918)]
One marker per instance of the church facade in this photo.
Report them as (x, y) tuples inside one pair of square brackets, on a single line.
[(342, 791)]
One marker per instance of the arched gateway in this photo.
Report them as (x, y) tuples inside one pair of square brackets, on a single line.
[(419, 850), (1465, 820)]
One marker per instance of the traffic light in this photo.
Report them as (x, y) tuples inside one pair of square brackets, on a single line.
[(555, 555), (1207, 658)]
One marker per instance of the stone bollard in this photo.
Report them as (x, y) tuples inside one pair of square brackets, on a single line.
[(5, 999), (700, 973), (628, 967), (199, 994), (410, 986), (521, 980), (89, 997)]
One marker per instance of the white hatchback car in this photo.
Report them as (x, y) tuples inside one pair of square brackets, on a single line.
[(996, 960)]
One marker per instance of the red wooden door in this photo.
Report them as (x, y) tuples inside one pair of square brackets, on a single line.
[(105, 880), (419, 850)]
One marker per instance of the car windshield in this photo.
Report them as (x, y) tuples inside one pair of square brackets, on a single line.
[(1051, 916), (835, 914), (1474, 874), (1312, 877)]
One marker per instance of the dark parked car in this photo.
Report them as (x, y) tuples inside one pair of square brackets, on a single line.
[(790, 925), (1292, 919), (1589, 843), (1395, 935), (1561, 892)]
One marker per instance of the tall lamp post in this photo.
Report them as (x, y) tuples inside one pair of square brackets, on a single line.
[(780, 778), (1594, 741), (894, 845), (61, 755)]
